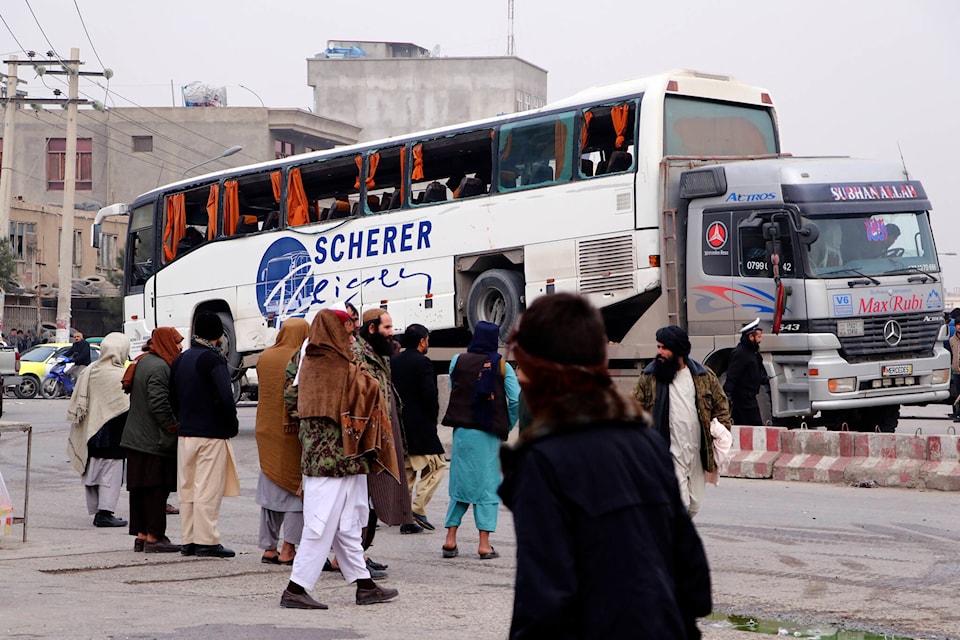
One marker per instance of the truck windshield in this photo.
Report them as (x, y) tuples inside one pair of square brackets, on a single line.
[(871, 244)]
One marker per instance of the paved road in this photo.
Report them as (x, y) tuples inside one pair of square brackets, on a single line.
[(880, 559)]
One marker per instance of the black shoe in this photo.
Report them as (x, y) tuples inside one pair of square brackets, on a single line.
[(189, 549), (375, 595), (299, 601), (378, 574), (214, 551), (411, 528), (371, 564), (423, 522), (107, 519), (161, 546)]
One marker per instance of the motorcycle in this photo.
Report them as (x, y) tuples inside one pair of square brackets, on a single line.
[(57, 382)]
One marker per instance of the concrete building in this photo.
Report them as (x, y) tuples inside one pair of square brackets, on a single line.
[(123, 152), (390, 88)]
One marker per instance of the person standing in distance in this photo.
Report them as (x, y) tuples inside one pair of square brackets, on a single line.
[(484, 398), (683, 396), (571, 582), (202, 399), (745, 374), (416, 383)]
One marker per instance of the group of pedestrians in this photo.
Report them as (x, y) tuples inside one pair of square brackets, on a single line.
[(346, 431), (19, 340)]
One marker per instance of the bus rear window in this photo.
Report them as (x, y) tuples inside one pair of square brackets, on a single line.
[(696, 127)]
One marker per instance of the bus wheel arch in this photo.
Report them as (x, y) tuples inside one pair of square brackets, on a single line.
[(496, 295), (229, 340)]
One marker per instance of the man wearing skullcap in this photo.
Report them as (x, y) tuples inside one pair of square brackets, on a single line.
[(683, 396), (745, 374)]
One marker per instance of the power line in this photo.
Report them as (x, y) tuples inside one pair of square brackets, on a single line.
[(84, 25), (53, 50), (12, 34)]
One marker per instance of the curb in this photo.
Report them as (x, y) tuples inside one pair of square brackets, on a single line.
[(814, 456), (887, 459), (942, 469), (755, 451)]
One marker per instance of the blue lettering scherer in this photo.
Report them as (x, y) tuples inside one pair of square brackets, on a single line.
[(410, 236)]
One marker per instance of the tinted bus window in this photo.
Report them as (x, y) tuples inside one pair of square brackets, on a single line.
[(695, 127), (536, 152)]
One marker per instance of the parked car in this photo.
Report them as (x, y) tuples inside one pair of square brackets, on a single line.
[(9, 370), (37, 361)]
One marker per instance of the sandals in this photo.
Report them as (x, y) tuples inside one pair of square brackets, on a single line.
[(489, 556), (450, 553), (276, 560)]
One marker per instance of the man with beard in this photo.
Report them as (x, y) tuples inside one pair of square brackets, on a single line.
[(391, 500), (745, 374), (683, 396)]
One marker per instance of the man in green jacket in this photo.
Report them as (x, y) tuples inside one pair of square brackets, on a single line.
[(683, 396)]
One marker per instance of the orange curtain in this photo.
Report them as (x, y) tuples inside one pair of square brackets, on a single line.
[(359, 161), (417, 162), (276, 181), (176, 224), (231, 207), (403, 172), (587, 117), (506, 147), (297, 207), (373, 161), (212, 211), (620, 114), (560, 147)]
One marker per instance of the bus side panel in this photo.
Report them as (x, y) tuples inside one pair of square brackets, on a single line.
[(420, 292)]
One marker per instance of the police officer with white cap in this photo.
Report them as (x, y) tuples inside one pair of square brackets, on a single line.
[(745, 374)]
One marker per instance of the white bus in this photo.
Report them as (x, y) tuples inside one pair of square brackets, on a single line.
[(445, 227)]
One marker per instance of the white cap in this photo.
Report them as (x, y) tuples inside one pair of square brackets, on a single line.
[(751, 327)]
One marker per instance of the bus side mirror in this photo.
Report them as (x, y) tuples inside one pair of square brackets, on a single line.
[(95, 232)]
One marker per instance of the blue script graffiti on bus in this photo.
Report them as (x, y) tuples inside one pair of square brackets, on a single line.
[(287, 287), (337, 288)]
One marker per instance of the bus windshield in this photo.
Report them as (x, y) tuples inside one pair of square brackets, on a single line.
[(872, 245), (698, 127)]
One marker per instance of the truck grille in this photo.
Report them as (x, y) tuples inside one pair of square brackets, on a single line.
[(606, 264), (919, 338)]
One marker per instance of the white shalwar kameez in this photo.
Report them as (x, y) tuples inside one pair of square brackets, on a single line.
[(685, 435)]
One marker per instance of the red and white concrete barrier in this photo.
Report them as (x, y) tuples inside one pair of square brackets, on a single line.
[(941, 471), (887, 459), (814, 455), (755, 450)]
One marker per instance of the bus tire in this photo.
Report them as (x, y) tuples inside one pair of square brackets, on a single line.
[(228, 344), (496, 296)]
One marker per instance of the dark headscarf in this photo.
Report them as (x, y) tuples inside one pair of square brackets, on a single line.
[(675, 339), (486, 340)]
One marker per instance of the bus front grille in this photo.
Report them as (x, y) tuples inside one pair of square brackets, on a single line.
[(606, 264)]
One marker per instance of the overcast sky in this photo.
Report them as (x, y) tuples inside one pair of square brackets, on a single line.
[(848, 77)]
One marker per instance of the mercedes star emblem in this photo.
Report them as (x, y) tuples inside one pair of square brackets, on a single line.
[(892, 333)]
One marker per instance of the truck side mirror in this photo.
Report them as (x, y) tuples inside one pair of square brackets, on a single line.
[(808, 233)]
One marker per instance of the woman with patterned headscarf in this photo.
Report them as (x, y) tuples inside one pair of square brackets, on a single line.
[(150, 438), (484, 399)]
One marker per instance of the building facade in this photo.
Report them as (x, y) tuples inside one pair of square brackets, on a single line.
[(389, 88)]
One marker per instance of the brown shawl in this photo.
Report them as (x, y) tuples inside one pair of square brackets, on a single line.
[(163, 342), (278, 445), (333, 384)]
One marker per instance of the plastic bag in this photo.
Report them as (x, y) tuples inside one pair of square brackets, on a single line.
[(6, 509), (722, 450)]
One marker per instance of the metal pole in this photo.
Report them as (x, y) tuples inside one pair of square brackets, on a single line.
[(6, 164), (65, 274)]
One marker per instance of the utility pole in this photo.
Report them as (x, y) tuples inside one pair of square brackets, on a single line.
[(53, 67), (65, 273), (6, 167), (511, 44)]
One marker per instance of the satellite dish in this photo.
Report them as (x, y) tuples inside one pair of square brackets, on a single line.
[(435, 52)]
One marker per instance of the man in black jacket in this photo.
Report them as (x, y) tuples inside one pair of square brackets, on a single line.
[(416, 383), (605, 548), (202, 399), (79, 354), (745, 374)]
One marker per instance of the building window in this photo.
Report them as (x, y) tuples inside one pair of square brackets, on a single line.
[(143, 144), (56, 163), (283, 149), (108, 251), (17, 232)]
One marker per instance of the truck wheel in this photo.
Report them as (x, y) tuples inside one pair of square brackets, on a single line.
[(50, 388), (496, 296), (29, 387)]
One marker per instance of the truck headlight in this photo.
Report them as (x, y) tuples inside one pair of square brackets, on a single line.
[(842, 385), (940, 376)]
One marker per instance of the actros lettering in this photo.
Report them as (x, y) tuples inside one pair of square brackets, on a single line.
[(379, 241), (750, 197)]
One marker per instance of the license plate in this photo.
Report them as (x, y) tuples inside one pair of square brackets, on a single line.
[(888, 370)]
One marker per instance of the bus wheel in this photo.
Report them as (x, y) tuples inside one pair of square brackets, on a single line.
[(228, 344), (496, 296)]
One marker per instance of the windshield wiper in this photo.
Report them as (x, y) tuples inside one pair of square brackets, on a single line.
[(914, 267), (850, 283)]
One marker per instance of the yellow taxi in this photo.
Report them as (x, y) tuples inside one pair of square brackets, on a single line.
[(36, 362)]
